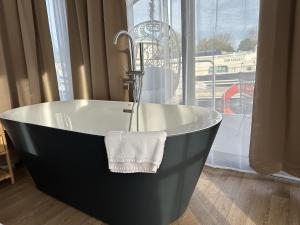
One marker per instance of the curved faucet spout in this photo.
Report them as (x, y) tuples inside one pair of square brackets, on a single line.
[(131, 46), (120, 33)]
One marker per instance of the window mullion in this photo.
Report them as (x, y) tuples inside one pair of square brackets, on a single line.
[(188, 51)]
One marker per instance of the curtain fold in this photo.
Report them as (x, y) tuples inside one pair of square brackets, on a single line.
[(97, 65), (275, 139), (27, 70)]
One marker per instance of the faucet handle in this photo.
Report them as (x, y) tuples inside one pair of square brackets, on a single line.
[(128, 79), (135, 72)]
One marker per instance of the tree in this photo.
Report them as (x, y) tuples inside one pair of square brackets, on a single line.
[(247, 44), (252, 33), (220, 42)]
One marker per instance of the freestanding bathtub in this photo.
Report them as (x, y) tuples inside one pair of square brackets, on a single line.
[(62, 145)]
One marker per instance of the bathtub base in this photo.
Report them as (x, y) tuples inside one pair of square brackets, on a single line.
[(72, 167)]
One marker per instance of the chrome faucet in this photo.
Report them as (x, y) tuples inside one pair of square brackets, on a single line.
[(131, 45), (134, 77)]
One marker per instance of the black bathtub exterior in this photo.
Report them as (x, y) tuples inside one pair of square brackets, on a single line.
[(72, 167)]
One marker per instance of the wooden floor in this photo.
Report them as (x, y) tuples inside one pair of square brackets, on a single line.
[(221, 198)]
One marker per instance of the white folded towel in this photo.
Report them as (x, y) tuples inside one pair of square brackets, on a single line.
[(134, 152)]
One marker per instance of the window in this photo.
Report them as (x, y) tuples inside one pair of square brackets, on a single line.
[(57, 17), (197, 52), (202, 53), (157, 24)]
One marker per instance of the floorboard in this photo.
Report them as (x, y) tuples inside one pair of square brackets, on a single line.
[(220, 198)]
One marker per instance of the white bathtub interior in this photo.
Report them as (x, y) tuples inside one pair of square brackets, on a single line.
[(98, 117)]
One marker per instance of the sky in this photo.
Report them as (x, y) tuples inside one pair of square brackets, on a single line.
[(233, 17)]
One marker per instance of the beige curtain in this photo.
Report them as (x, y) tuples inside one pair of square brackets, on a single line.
[(97, 65), (27, 71), (275, 143)]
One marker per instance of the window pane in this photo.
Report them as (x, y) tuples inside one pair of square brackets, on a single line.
[(225, 65), (57, 16), (226, 40), (157, 23)]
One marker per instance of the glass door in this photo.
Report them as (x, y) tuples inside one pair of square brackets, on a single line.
[(202, 53)]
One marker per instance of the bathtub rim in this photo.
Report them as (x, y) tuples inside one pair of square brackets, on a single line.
[(219, 118)]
